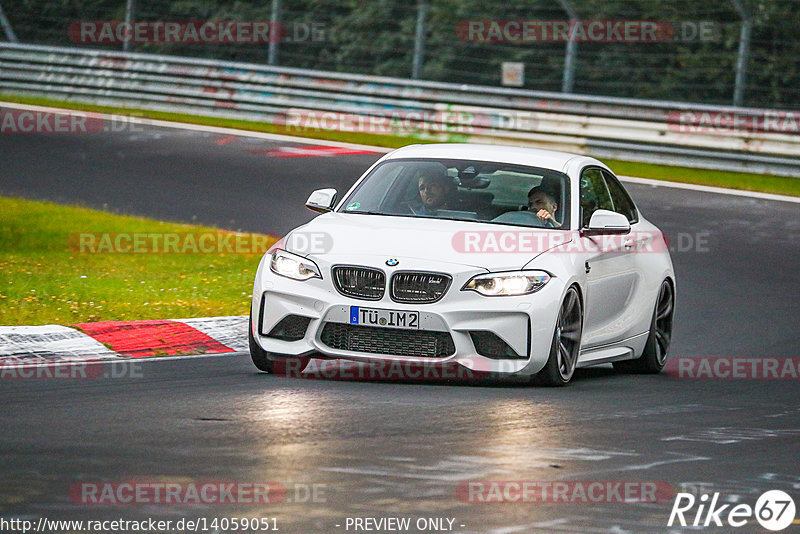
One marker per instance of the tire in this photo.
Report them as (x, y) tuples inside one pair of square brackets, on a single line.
[(566, 345), (257, 354), (271, 362), (654, 356)]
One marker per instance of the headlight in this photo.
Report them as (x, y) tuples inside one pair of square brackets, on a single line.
[(511, 283), (293, 266)]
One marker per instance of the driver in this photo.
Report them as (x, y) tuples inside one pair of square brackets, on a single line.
[(542, 201), (437, 191)]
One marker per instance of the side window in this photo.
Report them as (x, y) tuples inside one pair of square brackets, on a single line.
[(622, 202), (594, 194)]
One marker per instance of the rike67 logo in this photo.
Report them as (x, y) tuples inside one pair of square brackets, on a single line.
[(774, 510)]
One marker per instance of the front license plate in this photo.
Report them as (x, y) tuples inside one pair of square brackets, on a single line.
[(384, 318)]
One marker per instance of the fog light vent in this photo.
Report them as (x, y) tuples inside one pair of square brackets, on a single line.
[(290, 328), (488, 344)]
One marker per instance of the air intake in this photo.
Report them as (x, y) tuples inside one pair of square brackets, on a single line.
[(290, 328), (391, 341), (490, 345)]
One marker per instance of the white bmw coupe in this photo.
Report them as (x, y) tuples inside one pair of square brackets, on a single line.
[(494, 259)]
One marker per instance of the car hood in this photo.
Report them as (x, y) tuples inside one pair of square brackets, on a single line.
[(362, 238)]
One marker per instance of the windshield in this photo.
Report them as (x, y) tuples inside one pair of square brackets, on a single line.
[(464, 190)]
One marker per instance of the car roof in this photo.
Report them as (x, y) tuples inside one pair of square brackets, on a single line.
[(534, 157)]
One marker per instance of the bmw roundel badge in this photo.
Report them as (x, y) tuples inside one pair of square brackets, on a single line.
[(392, 262)]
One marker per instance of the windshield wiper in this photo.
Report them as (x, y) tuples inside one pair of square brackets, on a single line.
[(457, 219), (413, 216), (366, 212)]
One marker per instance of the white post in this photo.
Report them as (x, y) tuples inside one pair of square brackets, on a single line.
[(9, 31), (130, 13), (744, 52), (419, 40), (272, 55), (571, 53)]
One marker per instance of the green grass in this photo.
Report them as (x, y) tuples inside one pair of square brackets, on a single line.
[(779, 185), (45, 279), (734, 180), (344, 137)]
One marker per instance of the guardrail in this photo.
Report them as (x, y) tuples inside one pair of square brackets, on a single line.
[(638, 130)]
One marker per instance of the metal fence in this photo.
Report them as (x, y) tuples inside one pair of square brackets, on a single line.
[(724, 52), (302, 99)]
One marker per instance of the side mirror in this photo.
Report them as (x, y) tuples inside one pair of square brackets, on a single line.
[(321, 200), (607, 222)]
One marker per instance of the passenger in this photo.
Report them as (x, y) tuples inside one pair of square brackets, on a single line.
[(542, 201)]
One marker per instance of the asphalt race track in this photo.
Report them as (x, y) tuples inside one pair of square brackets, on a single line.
[(393, 449), (173, 174)]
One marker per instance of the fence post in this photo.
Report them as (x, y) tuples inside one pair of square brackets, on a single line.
[(272, 57), (419, 40), (744, 52), (9, 31), (130, 14), (571, 53)]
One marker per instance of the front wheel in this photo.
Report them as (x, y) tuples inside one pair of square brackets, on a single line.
[(654, 356), (271, 362), (566, 345), (257, 354)]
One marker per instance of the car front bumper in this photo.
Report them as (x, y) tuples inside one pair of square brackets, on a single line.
[(524, 323)]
